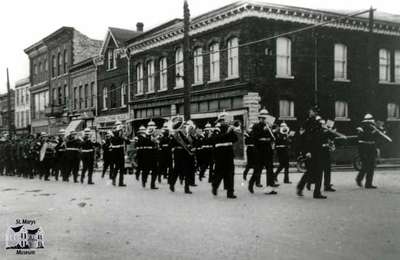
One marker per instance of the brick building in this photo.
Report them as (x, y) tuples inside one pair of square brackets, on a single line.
[(4, 115), (347, 67), (22, 106), (50, 60), (112, 77)]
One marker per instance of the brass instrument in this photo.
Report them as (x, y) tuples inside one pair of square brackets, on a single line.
[(179, 139), (266, 127), (381, 133), (235, 126)]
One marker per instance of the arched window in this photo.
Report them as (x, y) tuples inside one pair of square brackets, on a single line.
[(233, 57), (163, 73), (198, 65), (214, 62), (179, 68), (59, 63), (283, 57), (139, 79)]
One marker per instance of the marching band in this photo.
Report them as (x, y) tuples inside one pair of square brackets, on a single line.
[(179, 149)]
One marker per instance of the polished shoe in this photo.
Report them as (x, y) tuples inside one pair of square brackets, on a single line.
[(172, 188), (122, 185), (299, 193), (231, 196), (287, 182), (371, 187), (271, 193), (154, 188), (259, 185), (359, 183), (214, 191), (320, 196), (274, 185), (251, 188), (329, 189), (90, 183), (193, 185), (188, 192)]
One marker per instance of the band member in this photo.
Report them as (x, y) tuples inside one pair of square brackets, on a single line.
[(60, 166), (224, 156), (250, 152), (87, 156), (106, 146), (204, 154), (48, 162), (118, 154), (282, 143), (312, 147), (150, 149), (194, 144), (263, 138), (182, 156), (328, 146), (141, 134), (368, 135), (72, 145), (165, 155)]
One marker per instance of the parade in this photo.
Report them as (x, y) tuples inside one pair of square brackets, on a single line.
[(181, 151)]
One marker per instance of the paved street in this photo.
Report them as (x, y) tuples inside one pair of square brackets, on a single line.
[(106, 222)]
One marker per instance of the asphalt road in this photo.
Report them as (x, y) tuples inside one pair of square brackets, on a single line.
[(106, 222)]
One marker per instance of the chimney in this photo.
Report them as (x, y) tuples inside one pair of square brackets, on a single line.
[(139, 27)]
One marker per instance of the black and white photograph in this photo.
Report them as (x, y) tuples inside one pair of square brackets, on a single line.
[(200, 129)]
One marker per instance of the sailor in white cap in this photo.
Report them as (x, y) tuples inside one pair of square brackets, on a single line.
[(72, 157), (282, 143), (106, 146), (368, 135), (87, 156), (118, 142), (165, 153)]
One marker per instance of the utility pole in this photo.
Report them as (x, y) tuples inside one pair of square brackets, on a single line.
[(10, 129), (370, 92), (186, 61)]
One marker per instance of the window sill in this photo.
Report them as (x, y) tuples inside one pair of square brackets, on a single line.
[(197, 84), (104, 109), (162, 90), (150, 92), (393, 119), (343, 119), (139, 94), (389, 83), (284, 77), (123, 106), (232, 78), (178, 87), (285, 118), (213, 81), (341, 80), (112, 69)]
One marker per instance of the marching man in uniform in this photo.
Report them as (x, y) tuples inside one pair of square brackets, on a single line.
[(72, 145), (224, 163), (87, 156), (263, 138), (118, 154), (367, 137), (283, 141)]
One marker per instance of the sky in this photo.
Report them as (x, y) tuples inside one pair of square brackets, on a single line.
[(24, 22)]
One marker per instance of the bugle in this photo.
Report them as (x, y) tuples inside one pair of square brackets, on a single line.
[(382, 134)]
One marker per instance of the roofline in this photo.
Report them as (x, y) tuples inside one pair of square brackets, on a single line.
[(41, 42)]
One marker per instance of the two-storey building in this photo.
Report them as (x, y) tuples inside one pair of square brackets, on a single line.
[(244, 57), (6, 123)]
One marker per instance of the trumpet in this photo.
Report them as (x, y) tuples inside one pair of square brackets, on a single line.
[(339, 135), (381, 133)]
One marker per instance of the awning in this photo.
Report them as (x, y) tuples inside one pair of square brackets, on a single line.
[(73, 126)]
